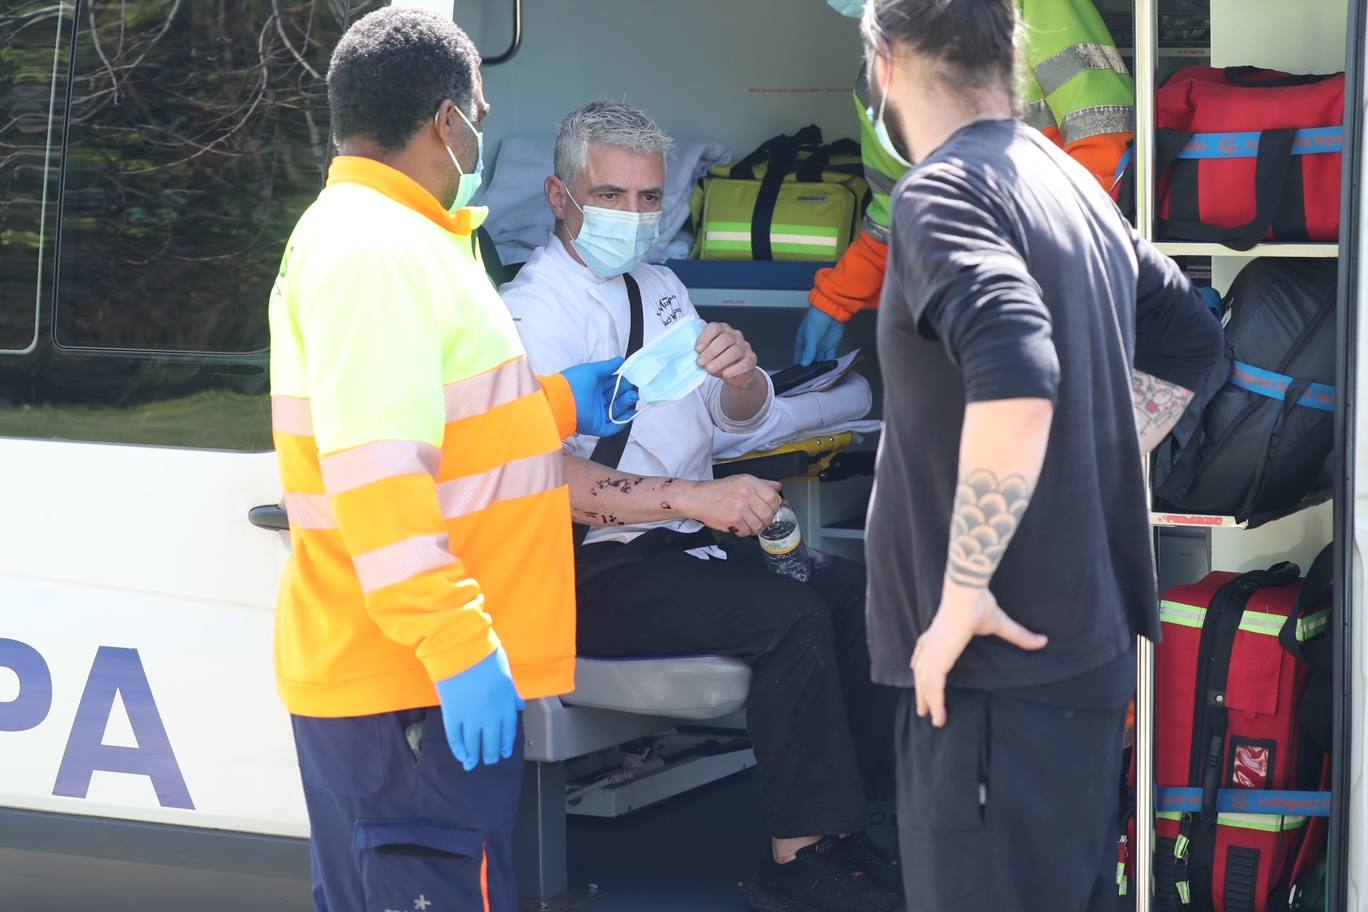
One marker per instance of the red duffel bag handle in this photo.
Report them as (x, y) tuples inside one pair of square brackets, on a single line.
[(1271, 175), (1246, 77)]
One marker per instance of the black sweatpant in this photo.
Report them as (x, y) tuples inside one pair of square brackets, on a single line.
[(811, 700), (1012, 807)]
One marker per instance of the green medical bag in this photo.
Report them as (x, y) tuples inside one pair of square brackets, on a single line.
[(791, 199)]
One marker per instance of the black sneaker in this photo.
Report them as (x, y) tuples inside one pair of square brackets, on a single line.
[(860, 853), (819, 879)]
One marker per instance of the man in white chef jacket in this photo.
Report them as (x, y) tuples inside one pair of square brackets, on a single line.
[(653, 580)]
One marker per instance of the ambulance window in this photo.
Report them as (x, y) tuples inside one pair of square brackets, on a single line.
[(196, 138), (196, 135), (32, 72)]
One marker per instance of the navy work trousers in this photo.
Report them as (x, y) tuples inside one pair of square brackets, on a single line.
[(398, 825)]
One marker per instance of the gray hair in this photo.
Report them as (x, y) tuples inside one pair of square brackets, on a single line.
[(612, 123)]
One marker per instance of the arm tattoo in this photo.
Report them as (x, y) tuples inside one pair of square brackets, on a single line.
[(987, 514), (1158, 406)]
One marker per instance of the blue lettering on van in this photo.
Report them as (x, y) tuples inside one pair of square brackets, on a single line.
[(34, 702), (119, 672)]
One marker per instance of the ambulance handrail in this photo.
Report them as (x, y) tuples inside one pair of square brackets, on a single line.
[(516, 43)]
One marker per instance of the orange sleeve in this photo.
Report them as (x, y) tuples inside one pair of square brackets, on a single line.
[(562, 402), (855, 282), (1101, 154)]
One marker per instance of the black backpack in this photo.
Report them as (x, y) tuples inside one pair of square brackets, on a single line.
[(1256, 441)]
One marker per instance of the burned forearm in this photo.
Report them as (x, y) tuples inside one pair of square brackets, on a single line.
[(1002, 450), (1158, 406), (600, 496)]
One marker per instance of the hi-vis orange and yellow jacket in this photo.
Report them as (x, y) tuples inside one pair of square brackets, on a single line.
[(420, 459)]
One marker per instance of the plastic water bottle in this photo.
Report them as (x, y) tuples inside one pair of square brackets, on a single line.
[(782, 541)]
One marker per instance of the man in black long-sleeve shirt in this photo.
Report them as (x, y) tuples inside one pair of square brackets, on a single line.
[(1027, 337)]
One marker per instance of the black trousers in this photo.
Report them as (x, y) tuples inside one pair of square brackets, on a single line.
[(1012, 807), (811, 700)]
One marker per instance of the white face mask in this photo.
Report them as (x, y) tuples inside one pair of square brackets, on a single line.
[(614, 241), (880, 126)]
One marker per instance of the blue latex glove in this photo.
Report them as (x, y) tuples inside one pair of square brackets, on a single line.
[(819, 335), (593, 386), (480, 709)]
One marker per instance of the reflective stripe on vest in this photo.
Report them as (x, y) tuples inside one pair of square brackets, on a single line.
[(1039, 115), (1098, 120), (1061, 69)]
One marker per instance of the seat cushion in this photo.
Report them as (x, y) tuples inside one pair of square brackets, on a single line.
[(694, 687)]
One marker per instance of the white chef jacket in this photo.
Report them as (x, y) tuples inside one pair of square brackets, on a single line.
[(568, 315)]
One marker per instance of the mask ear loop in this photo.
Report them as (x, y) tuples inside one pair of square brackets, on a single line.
[(617, 387), (437, 124)]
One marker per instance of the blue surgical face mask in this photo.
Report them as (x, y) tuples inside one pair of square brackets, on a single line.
[(666, 370), (470, 183), (881, 128), (614, 241), (852, 8)]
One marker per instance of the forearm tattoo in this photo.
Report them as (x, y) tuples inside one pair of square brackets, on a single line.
[(987, 514), (1158, 406)]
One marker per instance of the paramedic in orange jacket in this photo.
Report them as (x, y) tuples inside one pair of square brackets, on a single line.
[(421, 464), (1078, 93)]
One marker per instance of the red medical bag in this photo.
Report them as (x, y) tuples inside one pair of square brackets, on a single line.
[(1228, 722), (1247, 155)]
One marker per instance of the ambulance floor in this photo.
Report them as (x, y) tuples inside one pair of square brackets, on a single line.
[(688, 854)]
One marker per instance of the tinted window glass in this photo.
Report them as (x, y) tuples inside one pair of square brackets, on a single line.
[(197, 132), (33, 67)]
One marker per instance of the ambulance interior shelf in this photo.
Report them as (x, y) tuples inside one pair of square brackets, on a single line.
[(1194, 248)]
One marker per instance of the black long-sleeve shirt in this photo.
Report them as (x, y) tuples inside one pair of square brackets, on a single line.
[(1013, 275)]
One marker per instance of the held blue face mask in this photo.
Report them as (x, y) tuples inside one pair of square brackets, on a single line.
[(470, 183), (614, 241), (666, 370)]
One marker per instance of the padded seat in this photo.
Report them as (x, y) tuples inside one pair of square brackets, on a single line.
[(693, 687)]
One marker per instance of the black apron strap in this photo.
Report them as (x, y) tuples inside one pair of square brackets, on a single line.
[(608, 451)]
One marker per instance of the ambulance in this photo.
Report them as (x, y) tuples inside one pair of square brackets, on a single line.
[(154, 155)]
